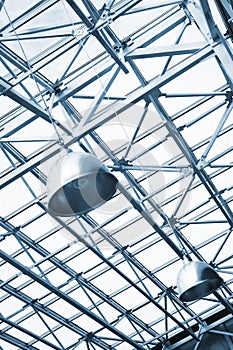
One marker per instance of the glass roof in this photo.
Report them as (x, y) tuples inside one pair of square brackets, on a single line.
[(146, 87)]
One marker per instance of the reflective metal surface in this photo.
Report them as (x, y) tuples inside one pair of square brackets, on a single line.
[(197, 279), (77, 183), (146, 86)]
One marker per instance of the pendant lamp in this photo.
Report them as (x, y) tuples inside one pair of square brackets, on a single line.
[(77, 183), (197, 279)]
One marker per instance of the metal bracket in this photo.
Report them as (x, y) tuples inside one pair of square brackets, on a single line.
[(229, 97), (202, 163)]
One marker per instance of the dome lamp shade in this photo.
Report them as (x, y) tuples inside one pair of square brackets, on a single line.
[(197, 279), (77, 183)]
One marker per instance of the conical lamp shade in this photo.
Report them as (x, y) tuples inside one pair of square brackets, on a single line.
[(77, 183), (197, 279)]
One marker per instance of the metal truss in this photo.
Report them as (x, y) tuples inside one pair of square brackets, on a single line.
[(146, 86)]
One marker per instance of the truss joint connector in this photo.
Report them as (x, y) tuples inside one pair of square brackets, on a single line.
[(173, 221), (203, 328), (213, 264), (79, 274), (123, 162), (229, 97), (16, 229), (58, 87), (89, 336), (117, 48), (187, 171), (202, 163), (182, 127), (166, 345), (128, 312), (170, 291), (105, 12), (222, 191), (124, 248), (126, 42)]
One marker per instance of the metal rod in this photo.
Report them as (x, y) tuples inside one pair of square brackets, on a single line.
[(68, 299)]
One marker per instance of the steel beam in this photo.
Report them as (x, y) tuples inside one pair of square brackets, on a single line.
[(156, 5), (155, 30), (29, 333), (98, 35), (91, 287), (7, 90), (139, 49), (35, 10), (69, 300), (73, 275), (139, 94), (99, 97), (1, 4), (120, 273), (16, 342), (199, 170), (201, 13), (226, 11), (53, 315), (111, 265), (168, 50), (99, 16)]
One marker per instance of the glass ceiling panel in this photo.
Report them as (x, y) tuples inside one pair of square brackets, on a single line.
[(146, 87)]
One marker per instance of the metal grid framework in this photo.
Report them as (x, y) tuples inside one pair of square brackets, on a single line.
[(147, 87)]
